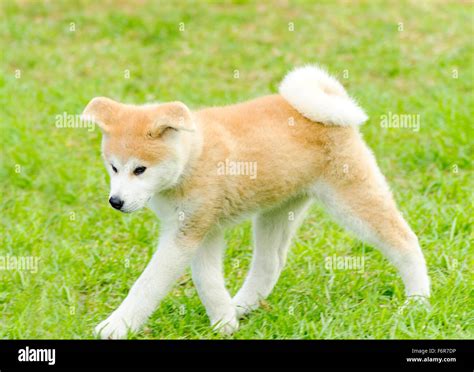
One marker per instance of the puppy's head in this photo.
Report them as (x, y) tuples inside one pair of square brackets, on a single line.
[(145, 148)]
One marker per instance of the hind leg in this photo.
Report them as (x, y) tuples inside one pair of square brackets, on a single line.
[(363, 204), (272, 237)]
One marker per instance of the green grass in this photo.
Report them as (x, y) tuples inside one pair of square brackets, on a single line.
[(55, 207)]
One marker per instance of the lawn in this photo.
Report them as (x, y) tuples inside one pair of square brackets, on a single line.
[(404, 58)]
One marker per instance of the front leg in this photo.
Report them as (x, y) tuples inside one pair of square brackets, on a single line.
[(168, 263), (209, 280)]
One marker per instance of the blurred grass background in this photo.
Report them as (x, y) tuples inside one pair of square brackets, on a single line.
[(404, 57)]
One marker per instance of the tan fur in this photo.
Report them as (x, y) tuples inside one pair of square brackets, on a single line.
[(291, 153), (290, 158), (131, 131)]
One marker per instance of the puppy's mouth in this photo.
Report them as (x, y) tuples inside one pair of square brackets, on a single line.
[(127, 210), (130, 209), (135, 206)]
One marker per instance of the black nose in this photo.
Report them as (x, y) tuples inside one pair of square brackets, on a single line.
[(116, 202)]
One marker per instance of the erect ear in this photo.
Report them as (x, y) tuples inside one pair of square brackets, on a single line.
[(171, 116), (101, 110)]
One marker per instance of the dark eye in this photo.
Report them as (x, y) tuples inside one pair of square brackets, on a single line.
[(139, 170), (114, 169)]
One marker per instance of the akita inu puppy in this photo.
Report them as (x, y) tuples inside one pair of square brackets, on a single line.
[(192, 169)]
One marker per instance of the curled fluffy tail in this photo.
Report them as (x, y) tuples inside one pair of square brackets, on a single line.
[(320, 97)]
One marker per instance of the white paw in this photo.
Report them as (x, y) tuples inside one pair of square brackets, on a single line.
[(243, 306), (227, 325), (419, 300), (416, 302), (115, 327)]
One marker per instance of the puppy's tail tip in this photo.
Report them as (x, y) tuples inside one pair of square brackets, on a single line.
[(320, 97)]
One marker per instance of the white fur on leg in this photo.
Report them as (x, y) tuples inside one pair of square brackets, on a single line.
[(411, 264), (412, 268), (272, 238), (209, 280), (167, 264)]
